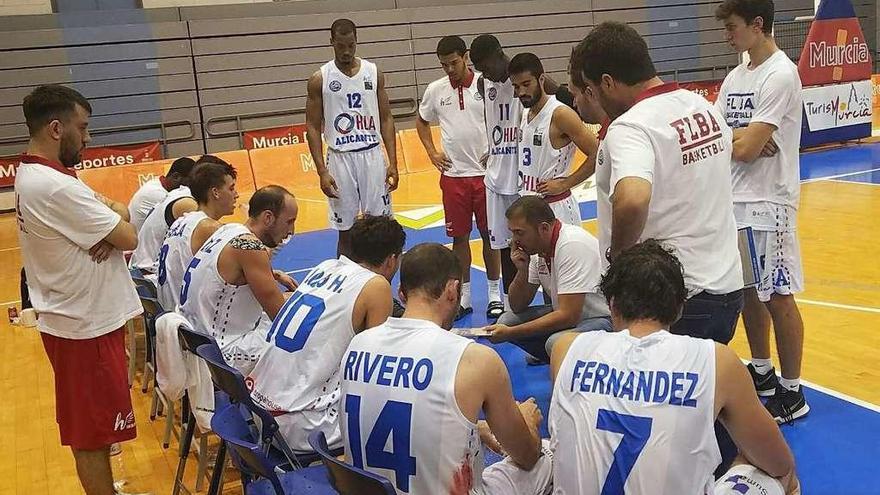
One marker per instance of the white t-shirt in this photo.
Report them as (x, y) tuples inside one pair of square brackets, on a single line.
[(769, 93), (459, 110), (144, 200), (59, 220), (649, 402), (677, 141), (574, 268)]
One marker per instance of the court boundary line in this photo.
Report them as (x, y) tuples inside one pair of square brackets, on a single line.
[(837, 176), (851, 307), (857, 182)]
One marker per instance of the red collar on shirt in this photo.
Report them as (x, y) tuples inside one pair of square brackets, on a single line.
[(26, 158), (554, 238), (657, 90), (164, 181), (466, 83), (603, 128)]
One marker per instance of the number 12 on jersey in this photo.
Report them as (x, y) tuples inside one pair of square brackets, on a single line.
[(395, 420)]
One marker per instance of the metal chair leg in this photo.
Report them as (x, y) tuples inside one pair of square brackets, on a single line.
[(169, 424), (202, 469), (216, 485), (185, 443)]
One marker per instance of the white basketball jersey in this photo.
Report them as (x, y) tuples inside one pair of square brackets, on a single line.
[(539, 161), (152, 233), (400, 418), (351, 107), (503, 115), (635, 415), (222, 310), (174, 257), (300, 370)]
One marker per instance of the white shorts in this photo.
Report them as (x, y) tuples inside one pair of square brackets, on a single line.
[(745, 479), (779, 264), (505, 477), (360, 179), (296, 428), (496, 217), (567, 211)]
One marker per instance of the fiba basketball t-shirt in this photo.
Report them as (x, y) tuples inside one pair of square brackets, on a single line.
[(59, 220), (459, 110), (769, 93), (678, 142)]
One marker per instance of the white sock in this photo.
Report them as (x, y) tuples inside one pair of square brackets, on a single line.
[(507, 303), (762, 366), (466, 295), (792, 384), (494, 290)]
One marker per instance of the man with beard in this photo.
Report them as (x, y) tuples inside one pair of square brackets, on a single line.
[(230, 283), (550, 130), (71, 242), (347, 106)]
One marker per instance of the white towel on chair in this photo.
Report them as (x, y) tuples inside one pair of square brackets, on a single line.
[(178, 371)]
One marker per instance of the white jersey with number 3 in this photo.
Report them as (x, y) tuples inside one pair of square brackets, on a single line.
[(300, 369), (174, 258), (503, 116), (539, 161), (635, 415), (400, 417), (351, 107), (220, 309)]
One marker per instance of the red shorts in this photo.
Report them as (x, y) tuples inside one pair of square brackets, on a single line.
[(464, 198), (92, 400)]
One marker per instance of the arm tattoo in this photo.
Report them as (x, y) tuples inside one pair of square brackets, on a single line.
[(247, 244)]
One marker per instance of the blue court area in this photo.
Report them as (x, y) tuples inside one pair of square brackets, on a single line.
[(836, 447)]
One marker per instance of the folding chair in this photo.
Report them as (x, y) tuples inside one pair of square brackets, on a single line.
[(190, 340), (230, 380), (146, 290), (259, 475), (345, 478), (160, 404)]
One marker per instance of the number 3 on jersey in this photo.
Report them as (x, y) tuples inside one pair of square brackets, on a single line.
[(636, 431), (395, 420), (299, 315)]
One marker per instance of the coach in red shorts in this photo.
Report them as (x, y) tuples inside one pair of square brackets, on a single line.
[(71, 242), (456, 103)]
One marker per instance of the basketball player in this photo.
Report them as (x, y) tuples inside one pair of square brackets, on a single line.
[(348, 106), (564, 260), (213, 187), (152, 232), (550, 130), (229, 282), (413, 381), (761, 100), (633, 410), (154, 191), (502, 113), (664, 173), (71, 242), (455, 103), (297, 378)]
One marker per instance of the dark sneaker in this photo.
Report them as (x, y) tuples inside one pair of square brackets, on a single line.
[(462, 312), (765, 384), (494, 310), (787, 405), (397, 309)]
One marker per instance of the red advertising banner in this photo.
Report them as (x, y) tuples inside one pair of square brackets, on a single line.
[(707, 89), (835, 50), (99, 157), (277, 136), (109, 156)]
